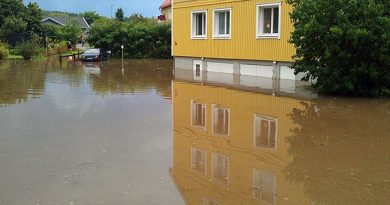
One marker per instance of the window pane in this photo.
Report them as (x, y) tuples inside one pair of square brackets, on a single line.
[(198, 160), (221, 23), (265, 133), (198, 24), (276, 20), (220, 168), (199, 115), (227, 22), (267, 20), (204, 23), (264, 186)]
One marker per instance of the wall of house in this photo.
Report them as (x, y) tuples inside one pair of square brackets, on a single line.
[(243, 44), (239, 147), (167, 11)]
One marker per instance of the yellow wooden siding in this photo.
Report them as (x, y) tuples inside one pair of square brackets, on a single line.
[(239, 146), (243, 43)]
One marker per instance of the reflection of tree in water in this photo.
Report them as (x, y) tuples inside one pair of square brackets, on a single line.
[(341, 153), (138, 76), (19, 80)]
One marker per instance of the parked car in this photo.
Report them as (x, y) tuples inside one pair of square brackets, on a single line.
[(95, 54)]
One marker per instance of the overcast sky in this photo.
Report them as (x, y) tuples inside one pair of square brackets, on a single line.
[(103, 7)]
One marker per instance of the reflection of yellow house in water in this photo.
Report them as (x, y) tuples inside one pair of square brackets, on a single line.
[(230, 147)]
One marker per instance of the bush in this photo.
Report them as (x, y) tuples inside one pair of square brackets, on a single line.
[(28, 50), (344, 44), (3, 51), (142, 39)]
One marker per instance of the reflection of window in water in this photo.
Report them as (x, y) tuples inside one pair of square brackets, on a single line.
[(207, 201), (221, 119), (221, 168), (198, 114), (198, 160), (265, 132), (264, 186)]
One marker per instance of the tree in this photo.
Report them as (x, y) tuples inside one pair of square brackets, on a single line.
[(119, 14), (13, 30), (10, 8), (33, 18), (344, 44), (91, 16), (71, 31)]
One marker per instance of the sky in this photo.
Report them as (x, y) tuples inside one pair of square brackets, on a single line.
[(147, 8)]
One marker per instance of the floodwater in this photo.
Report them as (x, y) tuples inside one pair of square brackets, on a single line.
[(145, 134)]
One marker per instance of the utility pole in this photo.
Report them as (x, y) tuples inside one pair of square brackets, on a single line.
[(111, 9)]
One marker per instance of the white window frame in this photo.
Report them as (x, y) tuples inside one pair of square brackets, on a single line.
[(193, 32), (204, 106), (216, 28), (213, 161), (259, 21), (205, 160), (269, 119), (214, 106)]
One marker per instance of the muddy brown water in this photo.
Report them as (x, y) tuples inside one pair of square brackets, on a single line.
[(96, 134)]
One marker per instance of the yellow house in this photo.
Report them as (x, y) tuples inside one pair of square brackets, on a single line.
[(230, 146), (243, 37)]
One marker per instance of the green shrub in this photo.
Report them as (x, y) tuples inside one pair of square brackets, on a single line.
[(345, 45), (145, 38), (28, 50), (3, 51)]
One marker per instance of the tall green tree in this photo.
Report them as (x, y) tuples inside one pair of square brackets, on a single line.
[(10, 8), (344, 44), (33, 18), (119, 15)]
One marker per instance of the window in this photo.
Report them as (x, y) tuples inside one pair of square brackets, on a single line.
[(221, 168), (198, 160), (264, 186), (268, 20), (198, 114), (221, 120), (265, 131), (222, 23), (199, 24)]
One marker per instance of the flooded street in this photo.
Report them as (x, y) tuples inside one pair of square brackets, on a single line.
[(96, 134)]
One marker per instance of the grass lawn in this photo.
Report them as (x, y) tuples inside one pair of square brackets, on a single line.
[(10, 56)]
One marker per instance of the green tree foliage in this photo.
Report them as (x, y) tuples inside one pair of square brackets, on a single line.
[(19, 23), (71, 32), (11, 8), (119, 15), (13, 30), (344, 44), (92, 16), (141, 39), (34, 18)]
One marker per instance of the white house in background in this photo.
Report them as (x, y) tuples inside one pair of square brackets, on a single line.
[(61, 21)]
